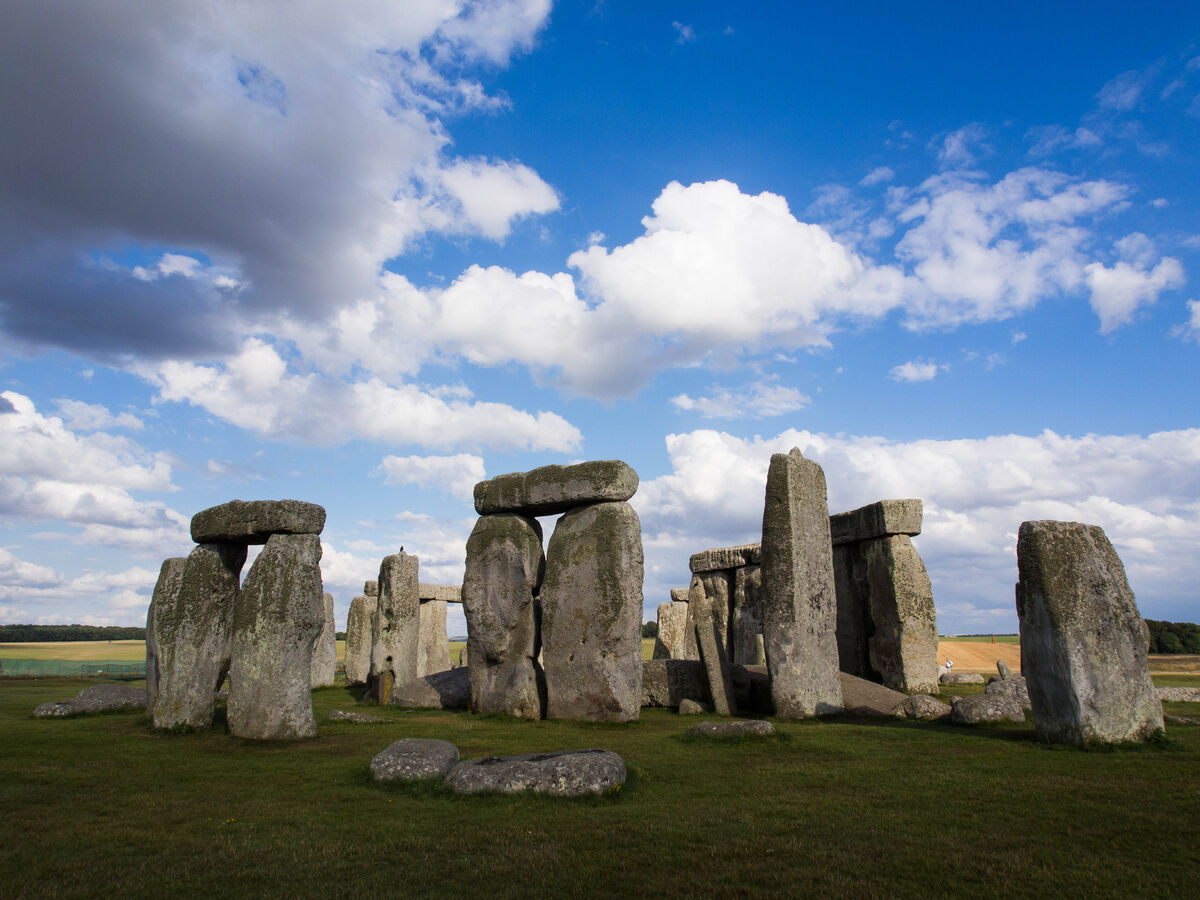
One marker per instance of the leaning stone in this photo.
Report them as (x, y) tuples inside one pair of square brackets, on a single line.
[(960, 678), (671, 642), (568, 773), (986, 708), (192, 636), (98, 698), (692, 708), (1083, 642), (551, 490), (668, 682), (357, 718), (866, 698), (742, 728), (396, 628), (324, 658), (923, 707), (709, 629), (725, 558), (433, 647), (450, 689), (414, 759), (1003, 669), (884, 518), (278, 617), (592, 615), (446, 593), (799, 601), (502, 578), (903, 649), (358, 638), (170, 582), (745, 617), (1179, 694), (254, 521)]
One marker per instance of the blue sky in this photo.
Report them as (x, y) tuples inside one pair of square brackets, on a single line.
[(368, 254)]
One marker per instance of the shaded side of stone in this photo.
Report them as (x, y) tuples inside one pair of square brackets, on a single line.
[(396, 628), (903, 648), (710, 631), (278, 617), (592, 615), (854, 625), (569, 773), (324, 658), (414, 759), (725, 558), (883, 518), (745, 615), (863, 697), (450, 689), (358, 638), (668, 682), (672, 622), (551, 490), (433, 650), (168, 586), (252, 522), (1083, 642)]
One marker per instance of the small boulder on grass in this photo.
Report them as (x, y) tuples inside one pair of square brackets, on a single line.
[(740, 728), (98, 698), (567, 773), (693, 708), (343, 715), (414, 759), (996, 707), (960, 678), (923, 707)]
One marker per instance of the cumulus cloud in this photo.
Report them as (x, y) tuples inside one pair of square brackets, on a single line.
[(915, 370), (758, 400), (1120, 290), (82, 416), (93, 597), (878, 175), (455, 475)]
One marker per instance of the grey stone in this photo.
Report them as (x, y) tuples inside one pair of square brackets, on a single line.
[(866, 698), (170, 582), (671, 642), (395, 630), (414, 759), (371, 588), (960, 678), (463, 657), (450, 689), (668, 682), (692, 708), (433, 650), (679, 595), (278, 617), (1003, 668), (745, 616), (446, 593), (94, 699), (709, 630), (986, 708), (1179, 694), (798, 596), (592, 615), (502, 578), (1014, 686), (359, 621), (742, 728), (1083, 642), (883, 518), (192, 635), (725, 558), (356, 718), (252, 522), (324, 658), (567, 773), (551, 490), (923, 707)]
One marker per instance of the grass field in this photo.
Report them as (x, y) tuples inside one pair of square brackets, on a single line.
[(104, 806)]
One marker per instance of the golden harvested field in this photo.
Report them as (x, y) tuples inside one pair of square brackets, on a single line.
[(78, 651)]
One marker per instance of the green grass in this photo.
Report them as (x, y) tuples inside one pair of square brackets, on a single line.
[(106, 806)]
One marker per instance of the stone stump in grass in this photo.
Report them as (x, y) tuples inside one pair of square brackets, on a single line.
[(396, 626), (359, 620), (324, 658)]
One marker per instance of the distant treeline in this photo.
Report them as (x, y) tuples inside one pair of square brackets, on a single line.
[(1174, 637), (20, 634)]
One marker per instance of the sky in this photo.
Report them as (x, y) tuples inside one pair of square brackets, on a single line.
[(367, 254)]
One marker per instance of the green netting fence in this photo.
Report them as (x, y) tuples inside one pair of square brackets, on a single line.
[(70, 668)]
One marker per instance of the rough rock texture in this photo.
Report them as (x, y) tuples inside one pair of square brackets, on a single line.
[(1083, 643), (924, 707), (568, 773), (324, 658), (718, 589), (743, 728), (725, 558), (592, 615), (866, 698), (277, 619), (881, 519), (745, 616), (551, 490), (371, 588), (1179, 694), (446, 593), (433, 650), (1013, 686), (692, 708), (357, 718), (799, 601), (671, 642), (903, 649), (192, 633), (668, 682), (986, 708), (414, 759), (254, 521), (679, 595), (396, 628), (98, 698), (359, 621), (170, 582), (960, 678), (709, 631), (450, 689), (503, 574)]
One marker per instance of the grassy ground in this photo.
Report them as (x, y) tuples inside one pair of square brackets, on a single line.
[(105, 806)]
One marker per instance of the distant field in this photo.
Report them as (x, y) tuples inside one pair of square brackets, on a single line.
[(78, 651), (983, 638)]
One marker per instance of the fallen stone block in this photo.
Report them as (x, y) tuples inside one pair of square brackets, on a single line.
[(924, 708), (692, 708), (985, 708), (357, 718), (414, 759), (741, 728), (450, 689), (960, 678), (252, 522), (568, 773), (98, 698), (1179, 694), (868, 698)]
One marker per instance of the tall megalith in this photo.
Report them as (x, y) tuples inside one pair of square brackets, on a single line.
[(166, 595), (396, 628), (359, 621), (324, 657)]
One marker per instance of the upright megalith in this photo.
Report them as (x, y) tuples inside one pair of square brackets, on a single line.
[(433, 649), (192, 634), (166, 594), (709, 630), (324, 657), (504, 571), (396, 627), (671, 642), (592, 614), (278, 617), (1083, 642), (799, 603), (359, 621)]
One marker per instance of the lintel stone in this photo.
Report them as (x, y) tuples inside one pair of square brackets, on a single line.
[(550, 490), (253, 521), (880, 519), (447, 593), (726, 558)]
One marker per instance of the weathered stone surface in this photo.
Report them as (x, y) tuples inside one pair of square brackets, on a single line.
[(568, 773), (592, 615), (986, 708), (277, 619), (742, 728), (357, 718), (866, 698), (1003, 668), (324, 658), (903, 649), (923, 707), (1083, 643), (725, 558), (668, 682), (1013, 686), (170, 581), (692, 708), (450, 689), (446, 593), (671, 642), (798, 597), (359, 621), (551, 490), (710, 630), (97, 698), (745, 616), (395, 631), (960, 678), (371, 588), (414, 759), (679, 595), (252, 522), (503, 574), (192, 634), (883, 518), (1179, 694), (433, 650)]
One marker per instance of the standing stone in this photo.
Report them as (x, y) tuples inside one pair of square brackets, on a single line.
[(592, 615), (192, 632), (433, 645), (745, 620), (799, 600), (712, 650), (168, 586), (1083, 647), (671, 640), (324, 659), (396, 627), (503, 574), (691, 650), (718, 591), (277, 619), (359, 621)]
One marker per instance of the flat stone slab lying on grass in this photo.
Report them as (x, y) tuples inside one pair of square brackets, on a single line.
[(550, 490), (98, 698), (253, 521), (742, 728), (567, 773), (450, 689), (358, 718), (922, 707), (692, 708), (414, 759), (980, 708), (1179, 694), (960, 678), (868, 698), (1181, 720)]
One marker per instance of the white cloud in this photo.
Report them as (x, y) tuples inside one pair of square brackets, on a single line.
[(1018, 336), (1122, 93), (915, 370), (82, 416), (16, 572), (1190, 330), (1118, 292), (758, 400), (684, 34), (492, 195), (878, 176), (958, 148), (455, 475)]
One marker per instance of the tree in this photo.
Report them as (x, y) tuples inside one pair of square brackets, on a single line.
[(650, 630)]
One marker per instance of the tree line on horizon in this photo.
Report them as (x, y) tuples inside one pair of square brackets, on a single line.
[(23, 634)]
